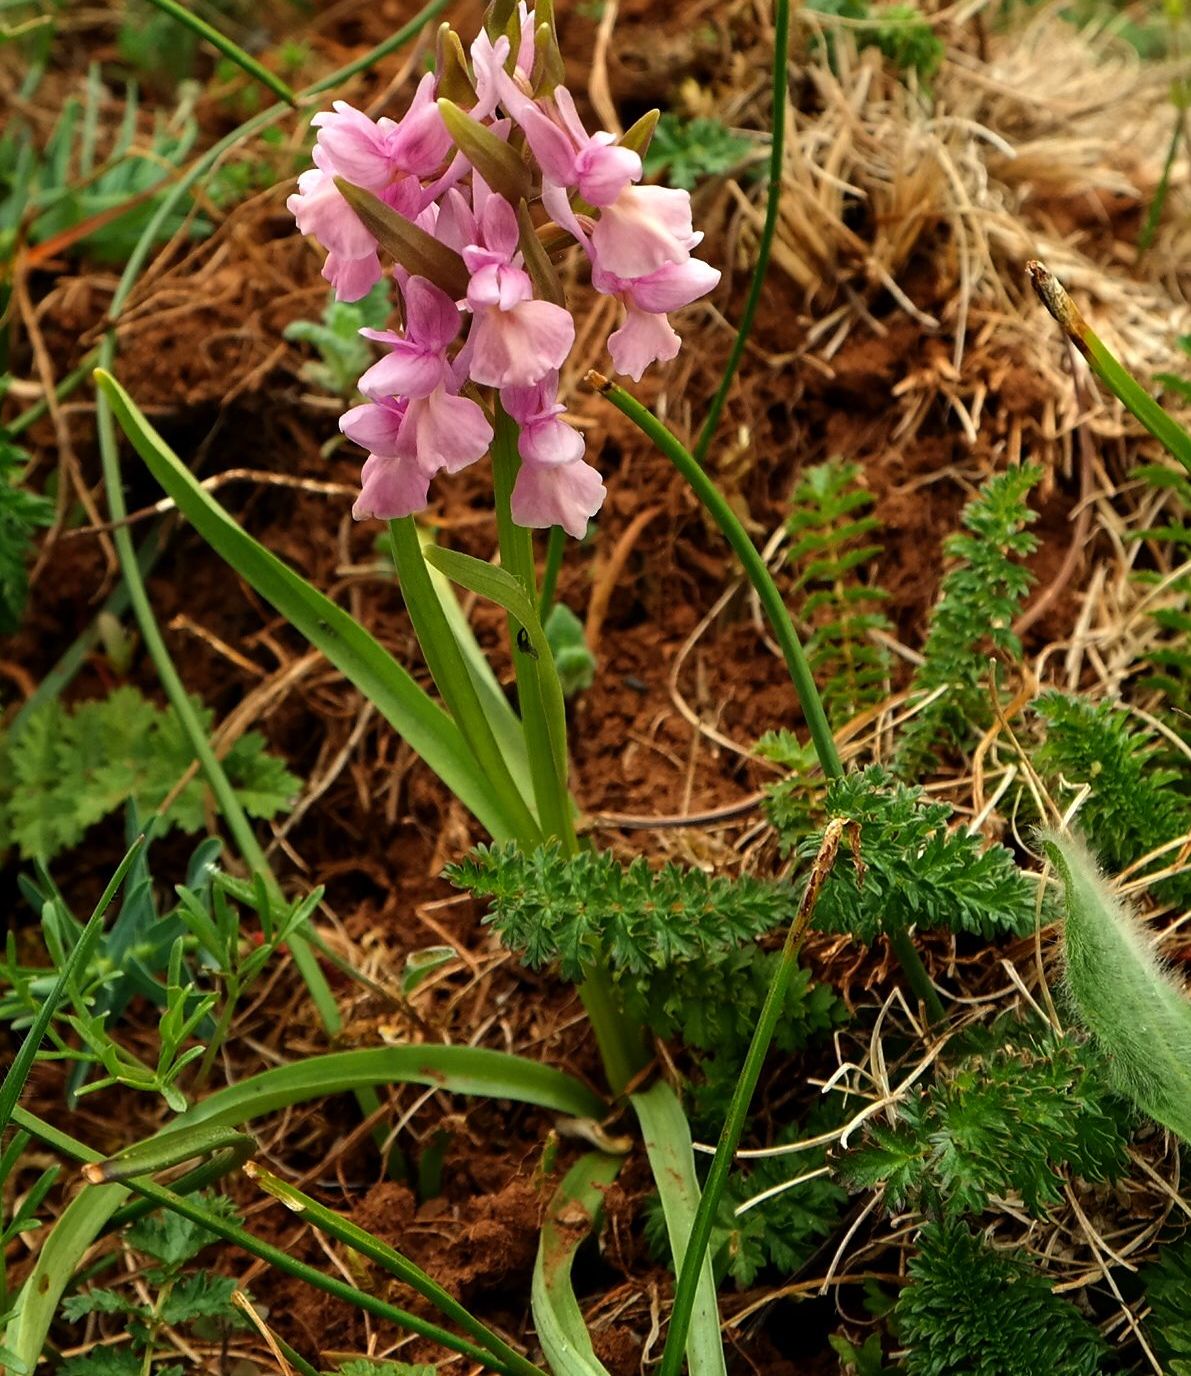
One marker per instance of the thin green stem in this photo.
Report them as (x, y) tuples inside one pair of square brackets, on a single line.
[(240, 1237), (622, 1045), (915, 972), (754, 566), (742, 1096), (450, 673), (1149, 229), (227, 48), (21, 423), (781, 57), (516, 555), (556, 544)]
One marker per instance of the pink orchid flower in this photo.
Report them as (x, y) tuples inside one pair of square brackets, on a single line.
[(515, 340), (646, 336), (554, 486), (374, 153), (569, 156), (645, 228)]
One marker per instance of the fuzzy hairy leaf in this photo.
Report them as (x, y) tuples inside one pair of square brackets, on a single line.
[(69, 768), (1123, 996), (172, 1240), (830, 549), (200, 1295), (1168, 1293), (973, 618), (343, 354), (1012, 1108), (975, 1311), (1134, 805), (916, 872)]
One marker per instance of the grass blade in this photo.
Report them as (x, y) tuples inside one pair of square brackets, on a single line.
[(18, 1071), (1123, 996), (1104, 363), (457, 1069), (671, 1158), (556, 1314), (422, 723), (368, 1245)]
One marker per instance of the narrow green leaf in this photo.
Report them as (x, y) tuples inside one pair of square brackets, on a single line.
[(495, 160), (1122, 994), (456, 1069), (1104, 363), (18, 1071), (422, 723), (556, 1313), (639, 136), (671, 1158), (413, 248)]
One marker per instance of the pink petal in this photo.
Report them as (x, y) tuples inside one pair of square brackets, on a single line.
[(352, 278), (374, 426), (405, 371), (525, 404), (604, 170), (391, 488), (431, 317), (673, 286), (499, 226), (550, 146), (642, 339), (519, 347), (550, 441), (446, 431), (356, 148), (321, 211), (566, 495), (645, 228), (420, 142)]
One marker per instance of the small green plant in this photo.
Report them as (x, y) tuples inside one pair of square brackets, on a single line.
[(343, 354), (21, 514), (575, 661), (1170, 659), (974, 1310), (901, 31), (1012, 1108), (916, 872), (687, 151), (973, 619), (66, 186), (66, 769), (830, 549), (1133, 803), (185, 1296), (1168, 1293)]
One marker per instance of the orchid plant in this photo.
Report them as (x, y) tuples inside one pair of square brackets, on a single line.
[(466, 204)]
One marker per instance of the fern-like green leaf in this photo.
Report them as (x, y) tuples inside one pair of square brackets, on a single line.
[(975, 1311), (21, 513), (1121, 993), (1168, 1293), (916, 871), (973, 618), (830, 548), (1010, 1109), (68, 769), (1134, 805)]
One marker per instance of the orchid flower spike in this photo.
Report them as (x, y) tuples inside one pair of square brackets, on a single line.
[(446, 193)]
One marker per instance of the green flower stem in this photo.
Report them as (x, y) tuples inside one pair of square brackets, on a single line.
[(450, 672), (240, 1237), (754, 566), (229, 49), (516, 555), (622, 1045), (777, 120), (370, 1246), (555, 548)]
